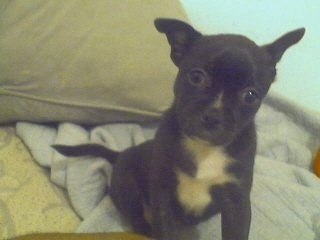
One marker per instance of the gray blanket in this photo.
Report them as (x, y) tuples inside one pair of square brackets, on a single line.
[(285, 195)]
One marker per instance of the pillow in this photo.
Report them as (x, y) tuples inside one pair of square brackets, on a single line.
[(84, 61)]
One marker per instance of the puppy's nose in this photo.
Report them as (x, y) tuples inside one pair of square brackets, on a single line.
[(212, 119)]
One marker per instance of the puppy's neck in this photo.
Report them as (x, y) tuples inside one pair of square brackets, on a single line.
[(199, 148)]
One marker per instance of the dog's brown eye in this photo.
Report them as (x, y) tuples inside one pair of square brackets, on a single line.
[(250, 97), (198, 78)]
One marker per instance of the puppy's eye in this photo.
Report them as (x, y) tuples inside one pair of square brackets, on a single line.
[(249, 96), (198, 78)]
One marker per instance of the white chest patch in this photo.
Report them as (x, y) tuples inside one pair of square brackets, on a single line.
[(211, 162)]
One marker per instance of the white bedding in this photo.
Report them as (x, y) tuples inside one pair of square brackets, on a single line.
[(285, 195)]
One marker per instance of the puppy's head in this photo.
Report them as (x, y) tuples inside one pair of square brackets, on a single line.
[(222, 79)]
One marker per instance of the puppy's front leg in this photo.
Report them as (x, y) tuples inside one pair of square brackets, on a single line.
[(161, 189), (164, 224), (235, 213)]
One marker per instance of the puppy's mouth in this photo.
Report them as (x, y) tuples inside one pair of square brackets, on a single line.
[(210, 129)]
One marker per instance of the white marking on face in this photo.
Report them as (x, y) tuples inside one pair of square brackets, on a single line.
[(211, 162), (218, 104)]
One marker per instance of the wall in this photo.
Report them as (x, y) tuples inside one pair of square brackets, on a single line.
[(263, 21)]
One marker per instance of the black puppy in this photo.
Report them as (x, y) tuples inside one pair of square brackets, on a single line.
[(201, 160)]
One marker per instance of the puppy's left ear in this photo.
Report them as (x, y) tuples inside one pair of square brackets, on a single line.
[(278, 47), (180, 36)]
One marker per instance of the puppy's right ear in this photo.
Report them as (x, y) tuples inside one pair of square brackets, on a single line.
[(180, 36)]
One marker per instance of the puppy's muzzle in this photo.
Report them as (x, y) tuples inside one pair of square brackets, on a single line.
[(216, 126), (213, 120)]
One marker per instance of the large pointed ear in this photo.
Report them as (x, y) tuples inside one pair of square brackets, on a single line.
[(278, 47), (180, 36)]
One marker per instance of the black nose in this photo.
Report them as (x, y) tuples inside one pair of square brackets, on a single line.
[(212, 119)]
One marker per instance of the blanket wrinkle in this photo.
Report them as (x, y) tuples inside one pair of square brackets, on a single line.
[(316, 225), (95, 174), (285, 194)]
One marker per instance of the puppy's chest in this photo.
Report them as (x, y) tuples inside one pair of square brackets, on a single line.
[(194, 192)]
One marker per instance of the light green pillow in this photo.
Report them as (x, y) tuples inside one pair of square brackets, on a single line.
[(84, 61)]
